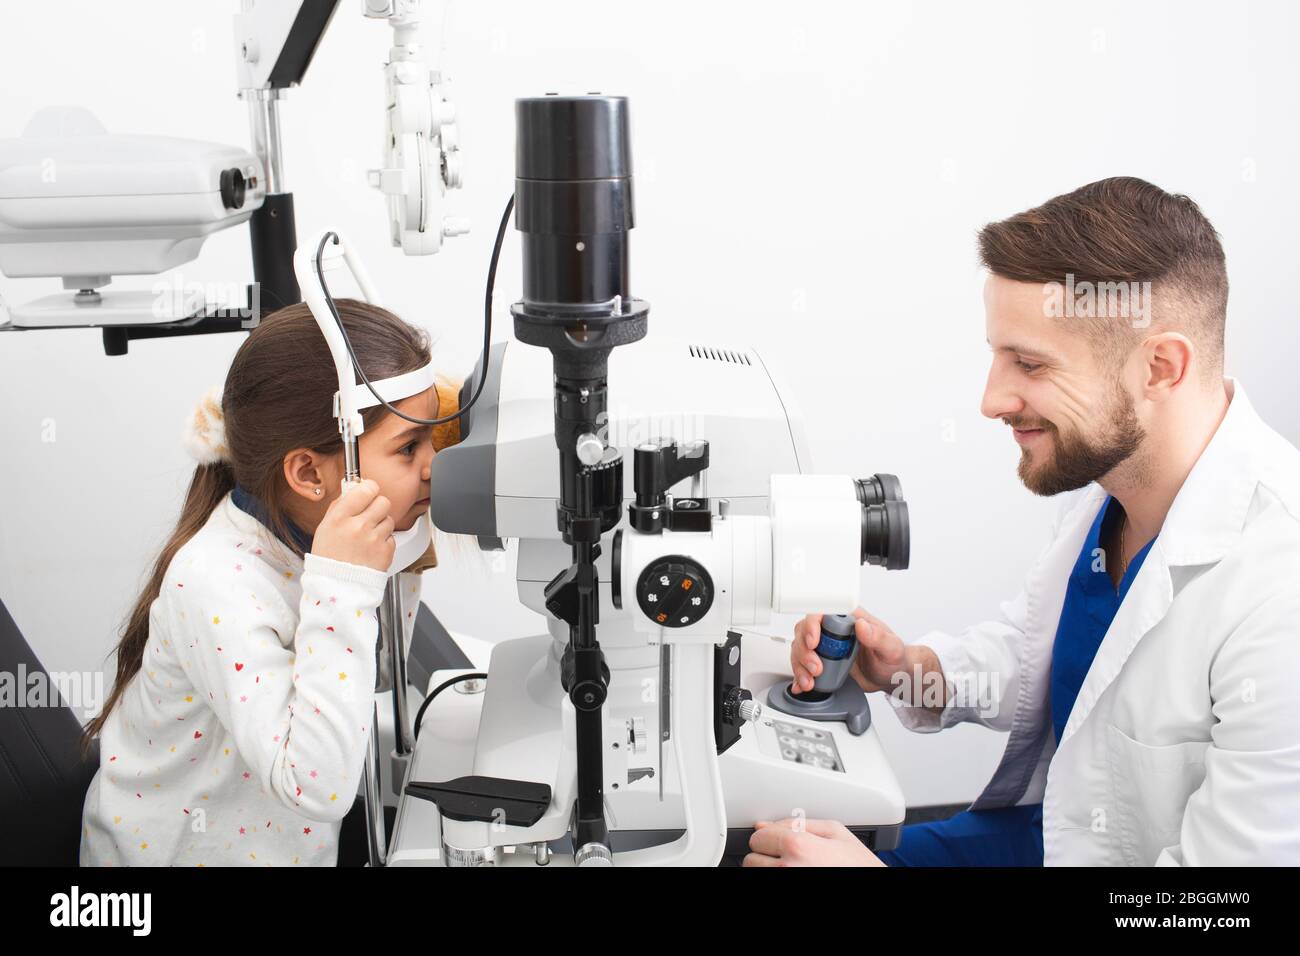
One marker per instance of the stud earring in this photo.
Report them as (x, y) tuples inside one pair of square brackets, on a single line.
[(317, 490)]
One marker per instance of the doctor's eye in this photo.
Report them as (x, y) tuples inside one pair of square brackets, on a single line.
[(1027, 366)]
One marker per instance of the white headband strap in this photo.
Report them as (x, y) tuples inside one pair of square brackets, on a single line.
[(392, 389)]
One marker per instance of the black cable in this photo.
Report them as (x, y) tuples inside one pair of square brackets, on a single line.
[(487, 324), (419, 714)]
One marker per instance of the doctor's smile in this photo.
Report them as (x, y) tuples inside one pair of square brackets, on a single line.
[(1025, 435)]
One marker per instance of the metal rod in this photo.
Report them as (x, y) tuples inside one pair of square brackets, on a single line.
[(377, 839), (264, 130), (351, 459), (392, 634)]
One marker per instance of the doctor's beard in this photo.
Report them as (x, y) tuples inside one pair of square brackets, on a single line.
[(1076, 461)]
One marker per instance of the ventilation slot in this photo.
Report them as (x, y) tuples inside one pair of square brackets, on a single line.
[(719, 355)]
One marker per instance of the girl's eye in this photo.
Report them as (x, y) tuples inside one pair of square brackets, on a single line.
[(409, 449)]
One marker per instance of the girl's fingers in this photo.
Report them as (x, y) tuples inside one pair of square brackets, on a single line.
[(356, 497), (375, 512)]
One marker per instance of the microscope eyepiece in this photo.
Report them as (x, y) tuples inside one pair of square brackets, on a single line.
[(879, 488), (886, 538)]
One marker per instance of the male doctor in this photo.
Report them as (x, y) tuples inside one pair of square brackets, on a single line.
[(1148, 675)]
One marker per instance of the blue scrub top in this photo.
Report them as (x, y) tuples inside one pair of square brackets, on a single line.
[(1091, 603)]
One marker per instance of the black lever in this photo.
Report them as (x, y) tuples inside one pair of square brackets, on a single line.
[(486, 798)]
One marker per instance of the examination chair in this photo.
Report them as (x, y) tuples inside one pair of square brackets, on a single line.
[(43, 778)]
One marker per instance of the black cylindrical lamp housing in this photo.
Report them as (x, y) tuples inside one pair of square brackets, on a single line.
[(573, 202)]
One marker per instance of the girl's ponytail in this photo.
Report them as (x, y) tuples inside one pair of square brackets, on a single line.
[(211, 483)]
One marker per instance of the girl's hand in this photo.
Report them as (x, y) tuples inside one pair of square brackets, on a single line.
[(357, 528)]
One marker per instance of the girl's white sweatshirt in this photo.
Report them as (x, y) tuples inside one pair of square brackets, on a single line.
[(241, 739)]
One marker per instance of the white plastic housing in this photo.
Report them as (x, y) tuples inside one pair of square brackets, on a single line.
[(658, 388), (816, 543), (82, 204)]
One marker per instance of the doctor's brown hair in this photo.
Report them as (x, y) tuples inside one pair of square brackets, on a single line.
[(278, 396), (1123, 230)]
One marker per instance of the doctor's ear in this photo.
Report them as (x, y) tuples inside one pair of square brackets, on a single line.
[(1168, 358)]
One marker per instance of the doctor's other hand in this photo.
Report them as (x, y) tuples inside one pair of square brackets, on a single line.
[(357, 528), (796, 841), (880, 653)]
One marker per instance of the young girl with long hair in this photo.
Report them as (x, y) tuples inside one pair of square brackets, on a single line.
[(238, 723)]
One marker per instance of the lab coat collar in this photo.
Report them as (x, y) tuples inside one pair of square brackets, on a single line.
[(1204, 521), (1208, 513)]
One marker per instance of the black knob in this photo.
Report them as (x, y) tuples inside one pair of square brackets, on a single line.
[(731, 705), (233, 188), (674, 591)]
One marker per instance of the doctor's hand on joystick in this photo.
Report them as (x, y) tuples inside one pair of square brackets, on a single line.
[(829, 648), (357, 528)]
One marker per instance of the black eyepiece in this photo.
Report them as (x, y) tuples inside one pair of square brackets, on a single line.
[(886, 538)]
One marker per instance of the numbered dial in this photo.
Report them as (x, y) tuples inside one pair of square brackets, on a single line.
[(674, 591)]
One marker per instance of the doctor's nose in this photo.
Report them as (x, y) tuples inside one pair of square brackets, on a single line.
[(1000, 400)]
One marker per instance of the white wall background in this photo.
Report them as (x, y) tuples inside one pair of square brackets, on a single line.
[(810, 178)]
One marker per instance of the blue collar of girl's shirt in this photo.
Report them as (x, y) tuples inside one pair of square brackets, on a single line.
[(248, 503)]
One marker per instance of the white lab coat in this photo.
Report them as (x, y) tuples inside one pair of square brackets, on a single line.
[(1183, 747)]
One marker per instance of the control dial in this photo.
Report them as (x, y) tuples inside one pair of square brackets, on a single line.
[(674, 591)]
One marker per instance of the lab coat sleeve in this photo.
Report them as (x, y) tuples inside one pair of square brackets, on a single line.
[(981, 665), (1247, 808), (298, 705)]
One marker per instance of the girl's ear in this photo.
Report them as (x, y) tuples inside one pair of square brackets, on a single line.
[(302, 473)]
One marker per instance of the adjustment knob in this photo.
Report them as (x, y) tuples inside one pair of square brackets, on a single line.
[(674, 591), (594, 854), (636, 735), (589, 449), (232, 188), (739, 707)]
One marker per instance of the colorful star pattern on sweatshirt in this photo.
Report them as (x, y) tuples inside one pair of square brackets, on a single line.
[(241, 739)]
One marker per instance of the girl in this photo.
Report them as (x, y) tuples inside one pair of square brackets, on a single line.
[(237, 727)]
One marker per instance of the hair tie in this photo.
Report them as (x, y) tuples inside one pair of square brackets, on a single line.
[(204, 434)]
